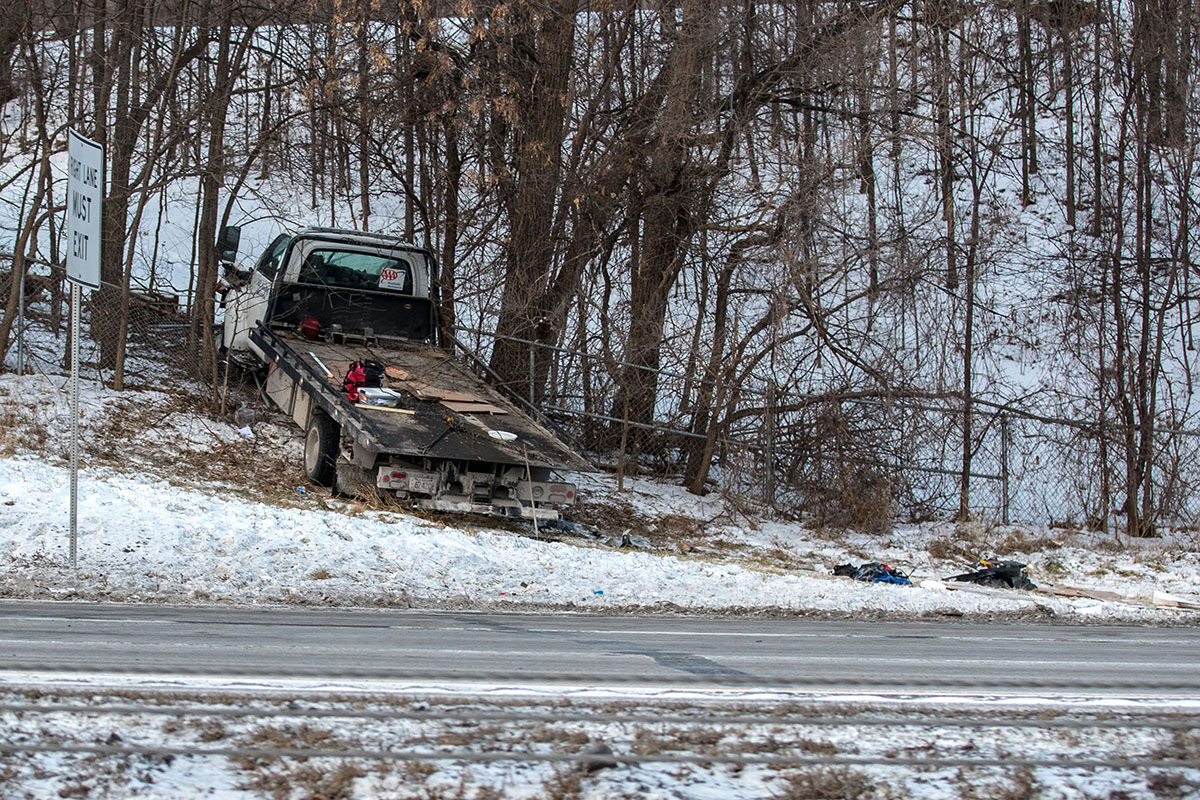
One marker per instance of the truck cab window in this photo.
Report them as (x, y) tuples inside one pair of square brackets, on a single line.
[(268, 265), (352, 270)]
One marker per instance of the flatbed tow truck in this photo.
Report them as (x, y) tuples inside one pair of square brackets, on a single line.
[(433, 432)]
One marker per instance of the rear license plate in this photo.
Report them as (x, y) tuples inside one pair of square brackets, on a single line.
[(422, 483)]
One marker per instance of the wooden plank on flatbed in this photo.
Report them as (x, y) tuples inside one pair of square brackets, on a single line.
[(388, 409), (472, 407)]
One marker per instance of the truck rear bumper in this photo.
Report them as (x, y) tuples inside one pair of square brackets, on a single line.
[(467, 507), (429, 490)]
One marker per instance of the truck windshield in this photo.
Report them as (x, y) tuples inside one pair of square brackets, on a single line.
[(356, 270)]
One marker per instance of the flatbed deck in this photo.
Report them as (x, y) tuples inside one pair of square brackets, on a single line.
[(444, 411)]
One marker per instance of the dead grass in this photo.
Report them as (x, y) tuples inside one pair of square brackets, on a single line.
[(951, 549), (75, 788), (265, 469), (1020, 785), (308, 782), (611, 519), (1024, 541), (21, 430), (419, 769), (287, 737), (8, 426), (299, 778), (675, 526), (1054, 567), (1184, 745), (698, 739), (869, 507), (565, 785), (1170, 785), (973, 540), (212, 730), (460, 792), (830, 784)]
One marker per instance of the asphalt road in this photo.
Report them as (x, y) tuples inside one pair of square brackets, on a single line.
[(518, 649)]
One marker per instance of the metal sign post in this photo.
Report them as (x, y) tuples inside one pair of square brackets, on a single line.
[(85, 190), (75, 292)]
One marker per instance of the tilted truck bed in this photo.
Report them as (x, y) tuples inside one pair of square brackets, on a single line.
[(455, 415)]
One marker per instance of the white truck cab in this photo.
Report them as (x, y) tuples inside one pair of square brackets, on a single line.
[(352, 260)]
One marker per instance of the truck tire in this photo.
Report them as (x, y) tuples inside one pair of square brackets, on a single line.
[(321, 445)]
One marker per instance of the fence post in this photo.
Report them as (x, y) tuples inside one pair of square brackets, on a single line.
[(532, 371), (20, 320), (769, 483), (769, 486), (1004, 468)]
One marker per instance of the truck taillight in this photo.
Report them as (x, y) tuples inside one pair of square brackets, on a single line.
[(559, 493)]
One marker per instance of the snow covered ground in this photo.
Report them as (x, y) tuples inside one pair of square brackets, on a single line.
[(176, 506), (233, 743), (179, 506)]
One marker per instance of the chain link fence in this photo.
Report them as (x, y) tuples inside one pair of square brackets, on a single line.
[(158, 344), (864, 462), (860, 462)]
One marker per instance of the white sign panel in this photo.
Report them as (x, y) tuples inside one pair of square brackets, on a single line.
[(85, 186), (390, 278)]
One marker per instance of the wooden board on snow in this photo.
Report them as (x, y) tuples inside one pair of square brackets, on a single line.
[(1158, 600)]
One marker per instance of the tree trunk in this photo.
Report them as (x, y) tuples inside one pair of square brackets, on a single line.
[(541, 59), (668, 207), (1069, 89), (450, 225)]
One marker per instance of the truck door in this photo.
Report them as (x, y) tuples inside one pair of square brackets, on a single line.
[(247, 307)]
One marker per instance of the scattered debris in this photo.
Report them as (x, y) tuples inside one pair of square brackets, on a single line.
[(629, 542), (246, 415), (603, 759), (1165, 599), (566, 526), (1004, 574), (873, 572), (1158, 599)]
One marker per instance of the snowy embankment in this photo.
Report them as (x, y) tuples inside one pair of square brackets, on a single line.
[(148, 540), (175, 506)]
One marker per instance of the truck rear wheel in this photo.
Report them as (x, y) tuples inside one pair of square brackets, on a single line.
[(321, 450)]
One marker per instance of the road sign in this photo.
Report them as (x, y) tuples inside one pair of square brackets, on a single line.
[(85, 187)]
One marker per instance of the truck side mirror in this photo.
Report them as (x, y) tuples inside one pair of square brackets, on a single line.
[(227, 243)]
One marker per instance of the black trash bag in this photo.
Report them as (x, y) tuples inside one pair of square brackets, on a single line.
[(1003, 574), (873, 572)]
